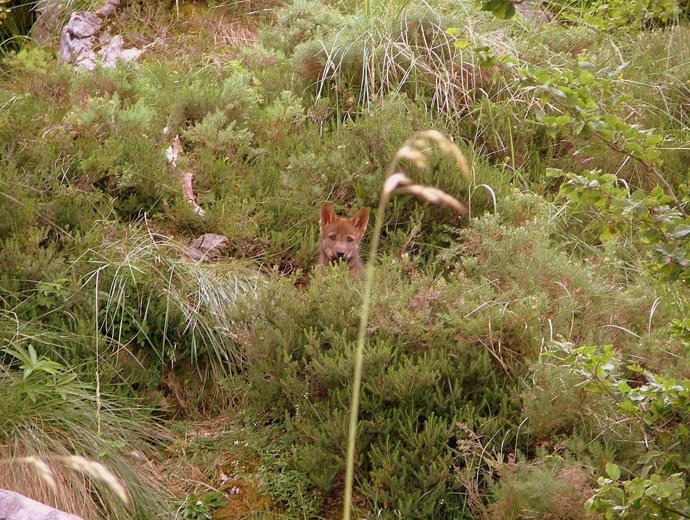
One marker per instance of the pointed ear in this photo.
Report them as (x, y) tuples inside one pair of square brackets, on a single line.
[(327, 215), (361, 219)]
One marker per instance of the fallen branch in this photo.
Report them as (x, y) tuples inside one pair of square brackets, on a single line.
[(174, 151)]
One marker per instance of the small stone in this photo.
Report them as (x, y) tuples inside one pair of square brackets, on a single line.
[(207, 247)]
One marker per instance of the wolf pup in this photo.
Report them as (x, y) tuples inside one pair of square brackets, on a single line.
[(341, 236)]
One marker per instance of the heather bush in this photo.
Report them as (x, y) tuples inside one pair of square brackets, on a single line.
[(421, 378), (442, 351), (549, 488)]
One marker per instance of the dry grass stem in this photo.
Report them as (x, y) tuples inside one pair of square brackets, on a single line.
[(415, 150)]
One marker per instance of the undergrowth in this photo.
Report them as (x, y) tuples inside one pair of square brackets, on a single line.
[(483, 393)]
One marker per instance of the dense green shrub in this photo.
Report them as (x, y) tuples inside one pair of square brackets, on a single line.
[(443, 354), (421, 378)]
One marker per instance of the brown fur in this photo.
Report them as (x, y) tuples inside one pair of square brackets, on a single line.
[(341, 237)]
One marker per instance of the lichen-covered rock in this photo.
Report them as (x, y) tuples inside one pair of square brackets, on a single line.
[(113, 51), (79, 39)]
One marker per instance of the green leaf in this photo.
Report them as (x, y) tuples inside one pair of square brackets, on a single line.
[(32, 355), (628, 406), (502, 9), (461, 43), (652, 154), (668, 488), (623, 386), (554, 173), (613, 471), (635, 489)]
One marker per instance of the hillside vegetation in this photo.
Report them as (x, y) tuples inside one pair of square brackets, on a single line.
[(527, 360)]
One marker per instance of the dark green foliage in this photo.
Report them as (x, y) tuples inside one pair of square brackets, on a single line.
[(502, 9), (419, 382), (431, 364)]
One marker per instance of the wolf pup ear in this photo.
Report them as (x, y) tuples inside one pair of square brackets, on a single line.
[(361, 219), (327, 215)]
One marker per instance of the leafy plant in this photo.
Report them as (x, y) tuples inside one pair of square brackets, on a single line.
[(653, 217), (47, 416), (41, 375), (200, 507), (582, 104), (502, 9), (619, 15), (656, 486)]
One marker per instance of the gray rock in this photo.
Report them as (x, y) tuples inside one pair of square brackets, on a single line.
[(14, 506), (79, 40), (207, 246), (533, 11), (113, 51), (83, 24), (109, 8)]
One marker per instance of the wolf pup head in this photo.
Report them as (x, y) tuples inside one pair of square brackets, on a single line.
[(342, 236)]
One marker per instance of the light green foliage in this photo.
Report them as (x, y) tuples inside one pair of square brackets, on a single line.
[(41, 376), (550, 487), (300, 21), (617, 15), (167, 310), (651, 217), (641, 497), (584, 103), (680, 330), (219, 135), (655, 486), (201, 507), (286, 486)]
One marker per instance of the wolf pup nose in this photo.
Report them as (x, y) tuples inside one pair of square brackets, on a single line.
[(341, 237)]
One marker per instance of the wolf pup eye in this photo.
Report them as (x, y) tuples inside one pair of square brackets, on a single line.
[(331, 236), (350, 238)]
